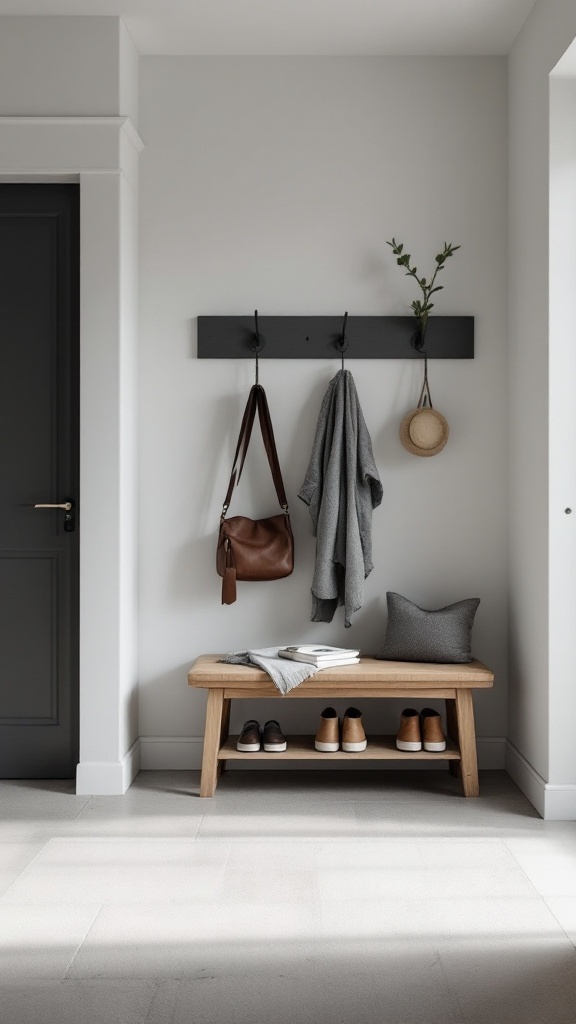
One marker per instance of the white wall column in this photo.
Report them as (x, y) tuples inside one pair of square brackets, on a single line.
[(102, 153), (542, 538)]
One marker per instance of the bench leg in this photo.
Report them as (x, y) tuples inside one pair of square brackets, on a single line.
[(212, 732), (467, 742), (452, 729), (224, 732)]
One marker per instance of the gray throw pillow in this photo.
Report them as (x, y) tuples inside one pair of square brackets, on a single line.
[(414, 634)]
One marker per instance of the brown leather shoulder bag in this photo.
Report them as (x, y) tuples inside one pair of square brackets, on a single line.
[(254, 549)]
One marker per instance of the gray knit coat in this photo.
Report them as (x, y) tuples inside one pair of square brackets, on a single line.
[(342, 487)]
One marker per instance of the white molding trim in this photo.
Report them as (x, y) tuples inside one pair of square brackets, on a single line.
[(102, 153), (560, 802), (45, 146), (526, 777), (554, 802), (121, 123), (184, 753), (109, 778)]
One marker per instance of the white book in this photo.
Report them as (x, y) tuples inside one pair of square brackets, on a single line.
[(319, 662), (335, 664), (320, 651)]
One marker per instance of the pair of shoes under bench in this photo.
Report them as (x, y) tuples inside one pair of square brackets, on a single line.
[(252, 737), (351, 736), (420, 729)]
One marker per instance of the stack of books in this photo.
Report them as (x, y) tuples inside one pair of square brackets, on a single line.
[(321, 656)]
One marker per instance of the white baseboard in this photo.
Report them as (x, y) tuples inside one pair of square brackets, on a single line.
[(560, 803), (109, 778), (184, 753), (526, 777), (553, 802)]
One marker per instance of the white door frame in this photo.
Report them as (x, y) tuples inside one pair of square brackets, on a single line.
[(102, 154)]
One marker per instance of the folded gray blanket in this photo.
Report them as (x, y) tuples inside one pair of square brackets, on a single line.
[(284, 674)]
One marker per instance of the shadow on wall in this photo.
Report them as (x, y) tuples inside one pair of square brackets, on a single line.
[(223, 410), (388, 450)]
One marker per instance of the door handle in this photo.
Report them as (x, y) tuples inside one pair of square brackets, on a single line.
[(67, 505)]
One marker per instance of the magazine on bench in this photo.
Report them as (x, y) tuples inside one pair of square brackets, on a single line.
[(321, 655)]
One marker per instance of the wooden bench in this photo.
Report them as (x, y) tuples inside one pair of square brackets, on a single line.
[(371, 678)]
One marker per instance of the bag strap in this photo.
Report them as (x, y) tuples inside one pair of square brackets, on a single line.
[(243, 442), (270, 446), (257, 402)]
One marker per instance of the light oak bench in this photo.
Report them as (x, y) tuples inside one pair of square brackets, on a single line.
[(371, 678)]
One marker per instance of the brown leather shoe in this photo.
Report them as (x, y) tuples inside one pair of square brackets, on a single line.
[(353, 735), (408, 737), (431, 728), (328, 736), (249, 739), (273, 738)]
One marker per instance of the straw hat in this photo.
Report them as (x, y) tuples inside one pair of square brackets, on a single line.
[(424, 431)]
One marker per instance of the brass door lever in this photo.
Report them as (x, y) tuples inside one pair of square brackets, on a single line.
[(66, 505)]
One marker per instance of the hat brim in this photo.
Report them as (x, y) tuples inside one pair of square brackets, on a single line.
[(408, 442)]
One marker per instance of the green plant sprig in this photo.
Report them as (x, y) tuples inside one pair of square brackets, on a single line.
[(421, 308)]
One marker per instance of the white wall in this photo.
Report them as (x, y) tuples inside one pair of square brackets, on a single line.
[(60, 79), (128, 63), (274, 183), (562, 425), (62, 66), (540, 675)]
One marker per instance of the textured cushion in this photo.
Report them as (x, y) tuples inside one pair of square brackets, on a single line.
[(414, 634)]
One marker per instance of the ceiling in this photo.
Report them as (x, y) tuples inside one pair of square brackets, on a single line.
[(323, 27)]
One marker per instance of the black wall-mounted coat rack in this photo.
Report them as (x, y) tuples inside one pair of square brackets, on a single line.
[(317, 337)]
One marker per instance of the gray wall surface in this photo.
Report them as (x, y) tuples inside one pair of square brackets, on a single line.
[(274, 183)]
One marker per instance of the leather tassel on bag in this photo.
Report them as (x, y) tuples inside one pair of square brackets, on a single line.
[(229, 577), (229, 586), (254, 549)]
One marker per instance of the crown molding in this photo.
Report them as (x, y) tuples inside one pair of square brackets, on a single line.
[(121, 123)]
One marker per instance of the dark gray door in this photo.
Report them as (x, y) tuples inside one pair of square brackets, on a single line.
[(39, 455)]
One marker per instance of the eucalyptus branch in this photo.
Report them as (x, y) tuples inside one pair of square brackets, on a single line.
[(421, 307)]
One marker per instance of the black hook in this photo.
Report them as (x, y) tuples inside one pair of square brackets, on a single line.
[(342, 344), (419, 340), (258, 343)]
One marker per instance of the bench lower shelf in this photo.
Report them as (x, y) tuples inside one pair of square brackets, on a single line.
[(301, 748)]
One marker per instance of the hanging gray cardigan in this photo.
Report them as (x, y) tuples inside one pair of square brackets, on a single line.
[(342, 487)]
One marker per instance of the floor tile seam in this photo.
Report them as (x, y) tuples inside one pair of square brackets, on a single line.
[(223, 901), (199, 902), (450, 987), (151, 1007), (560, 925), (122, 979), (83, 940), (224, 868), (20, 873), (277, 840), (432, 902), (84, 806), (38, 982), (102, 840), (195, 836), (50, 903), (526, 876)]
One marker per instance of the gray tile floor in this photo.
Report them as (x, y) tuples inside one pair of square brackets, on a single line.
[(290, 898)]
